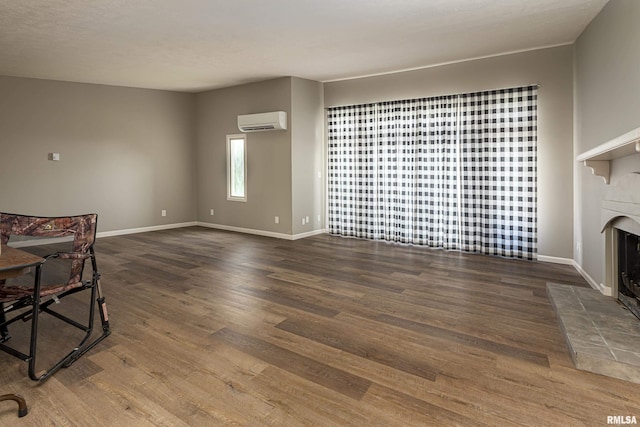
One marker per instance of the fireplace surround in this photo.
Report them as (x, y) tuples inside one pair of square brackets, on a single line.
[(603, 336)]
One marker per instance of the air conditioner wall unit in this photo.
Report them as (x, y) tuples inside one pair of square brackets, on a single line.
[(276, 120)]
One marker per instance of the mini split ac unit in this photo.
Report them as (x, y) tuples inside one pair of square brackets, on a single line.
[(276, 120)]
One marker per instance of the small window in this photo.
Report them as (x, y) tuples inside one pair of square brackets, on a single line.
[(237, 168)]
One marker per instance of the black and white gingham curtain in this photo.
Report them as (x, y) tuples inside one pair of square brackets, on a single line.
[(453, 172)]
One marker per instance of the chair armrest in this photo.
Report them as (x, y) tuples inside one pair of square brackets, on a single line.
[(69, 255)]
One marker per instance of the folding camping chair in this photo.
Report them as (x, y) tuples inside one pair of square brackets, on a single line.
[(19, 301)]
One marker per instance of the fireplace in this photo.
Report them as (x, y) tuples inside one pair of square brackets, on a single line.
[(629, 270), (621, 225), (601, 325)]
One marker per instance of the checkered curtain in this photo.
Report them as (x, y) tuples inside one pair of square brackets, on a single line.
[(354, 208), (498, 178), (453, 172)]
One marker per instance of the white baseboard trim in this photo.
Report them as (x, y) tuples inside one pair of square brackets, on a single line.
[(568, 261), (595, 285), (261, 232), (145, 229), (48, 241), (308, 234), (36, 242), (556, 260)]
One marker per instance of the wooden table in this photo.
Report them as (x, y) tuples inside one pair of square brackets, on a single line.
[(13, 263)]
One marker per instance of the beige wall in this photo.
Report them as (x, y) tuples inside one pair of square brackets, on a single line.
[(129, 153), (607, 68), (125, 153), (552, 69), (269, 190), (307, 154), (132, 152)]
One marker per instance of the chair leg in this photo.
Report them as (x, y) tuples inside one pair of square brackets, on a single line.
[(35, 314), (37, 308), (96, 293), (82, 347), (22, 404), (4, 329)]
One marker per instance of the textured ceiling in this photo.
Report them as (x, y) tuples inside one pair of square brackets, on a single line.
[(194, 45)]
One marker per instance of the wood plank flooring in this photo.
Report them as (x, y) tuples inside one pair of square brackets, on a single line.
[(218, 328)]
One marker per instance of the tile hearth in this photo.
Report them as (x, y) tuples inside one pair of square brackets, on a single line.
[(603, 336)]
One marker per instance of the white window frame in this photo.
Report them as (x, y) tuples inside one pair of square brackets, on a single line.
[(243, 137)]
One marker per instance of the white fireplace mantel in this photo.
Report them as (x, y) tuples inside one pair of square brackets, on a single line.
[(599, 158)]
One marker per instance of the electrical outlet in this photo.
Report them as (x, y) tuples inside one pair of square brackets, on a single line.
[(319, 218), (303, 221), (306, 219), (163, 212), (277, 220), (211, 212)]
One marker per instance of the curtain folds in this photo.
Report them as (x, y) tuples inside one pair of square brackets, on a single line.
[(453, 172)]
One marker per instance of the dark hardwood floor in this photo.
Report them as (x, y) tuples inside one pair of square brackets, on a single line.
[(219, 328)]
